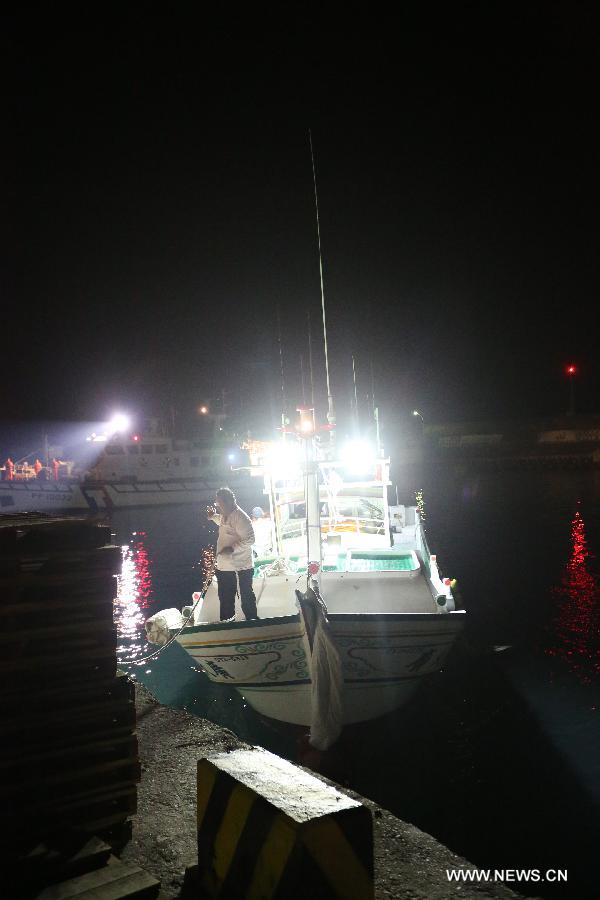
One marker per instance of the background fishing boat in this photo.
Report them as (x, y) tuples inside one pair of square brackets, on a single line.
[(128, 469)]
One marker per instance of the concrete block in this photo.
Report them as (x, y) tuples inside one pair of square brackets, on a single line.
[(267, 829)]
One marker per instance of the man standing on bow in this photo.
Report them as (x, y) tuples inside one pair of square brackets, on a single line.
[(234, 555)]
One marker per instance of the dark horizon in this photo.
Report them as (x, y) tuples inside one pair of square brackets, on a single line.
[(160, 189)]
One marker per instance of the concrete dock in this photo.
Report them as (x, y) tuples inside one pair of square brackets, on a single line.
[(408, 862)]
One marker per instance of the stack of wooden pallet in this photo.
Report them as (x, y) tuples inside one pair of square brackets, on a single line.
[(80, 868), (69, 756)]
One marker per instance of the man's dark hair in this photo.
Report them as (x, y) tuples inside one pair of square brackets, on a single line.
[(226, 493)]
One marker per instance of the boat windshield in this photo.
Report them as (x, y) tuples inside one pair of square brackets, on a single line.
[(352, 515)]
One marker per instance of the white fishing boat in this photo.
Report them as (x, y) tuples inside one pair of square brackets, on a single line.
[(388, 618)]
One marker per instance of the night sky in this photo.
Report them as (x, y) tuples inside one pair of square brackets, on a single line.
[(159, 208)]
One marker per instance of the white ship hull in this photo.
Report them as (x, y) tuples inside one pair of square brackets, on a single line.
[(73, 496), (383, 660), (390, 637)]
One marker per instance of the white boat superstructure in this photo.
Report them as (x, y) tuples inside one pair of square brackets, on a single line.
[(131, 471), (390, 617)]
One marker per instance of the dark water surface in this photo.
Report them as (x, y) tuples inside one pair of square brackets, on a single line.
[(498, 756)]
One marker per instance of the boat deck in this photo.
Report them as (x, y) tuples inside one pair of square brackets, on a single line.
[(393, 560)]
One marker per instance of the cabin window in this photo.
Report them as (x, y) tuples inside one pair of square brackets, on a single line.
[(297, 511), (134, 449), (113, 449), (194, 461), (146, 448), (161, 448), (7, 501)]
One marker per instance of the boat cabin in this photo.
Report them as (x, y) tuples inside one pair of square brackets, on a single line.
[(354, 511)]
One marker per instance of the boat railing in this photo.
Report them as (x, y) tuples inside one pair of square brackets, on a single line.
[(422, 546)]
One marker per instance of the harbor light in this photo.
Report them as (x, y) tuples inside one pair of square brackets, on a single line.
[(119, 422), (571, 371)]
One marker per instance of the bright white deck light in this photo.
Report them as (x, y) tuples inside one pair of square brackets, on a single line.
[(357, 455), (284, 459), (119, 422)]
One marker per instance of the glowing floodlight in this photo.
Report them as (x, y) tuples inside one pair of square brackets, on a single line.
[(357, 456), (119, 422), (306, 425), (284, 459)]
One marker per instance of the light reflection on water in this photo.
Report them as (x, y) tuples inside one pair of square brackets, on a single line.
[(576, 624), (131, 607)]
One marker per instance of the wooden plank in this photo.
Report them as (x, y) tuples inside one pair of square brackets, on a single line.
[(51, 724), (53, 792), (92, 668), (102, 559), (67, 695), (52, 579), (56, 613), (76, 754), (115, 881), (38, 598), (87, 813), (61, 858), (65, 631), (51, 664), (116, 686), (91, 804)]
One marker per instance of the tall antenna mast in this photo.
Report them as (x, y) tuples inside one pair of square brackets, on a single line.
[(330, 411), (310, 365), (375, 413), (355, 394), (283, 403), (302, 379), (372, 388)]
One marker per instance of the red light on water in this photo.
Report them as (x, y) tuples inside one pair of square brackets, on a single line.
[(577, 619)]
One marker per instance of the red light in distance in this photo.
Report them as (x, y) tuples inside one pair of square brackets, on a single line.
[(571, 370)]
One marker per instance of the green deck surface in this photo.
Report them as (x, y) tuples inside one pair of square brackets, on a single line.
[(361, 561)]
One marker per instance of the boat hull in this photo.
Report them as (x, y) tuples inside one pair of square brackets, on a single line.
[(383, 659), (74, 496)]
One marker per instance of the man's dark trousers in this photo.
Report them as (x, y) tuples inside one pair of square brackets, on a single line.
[(227, 585)]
